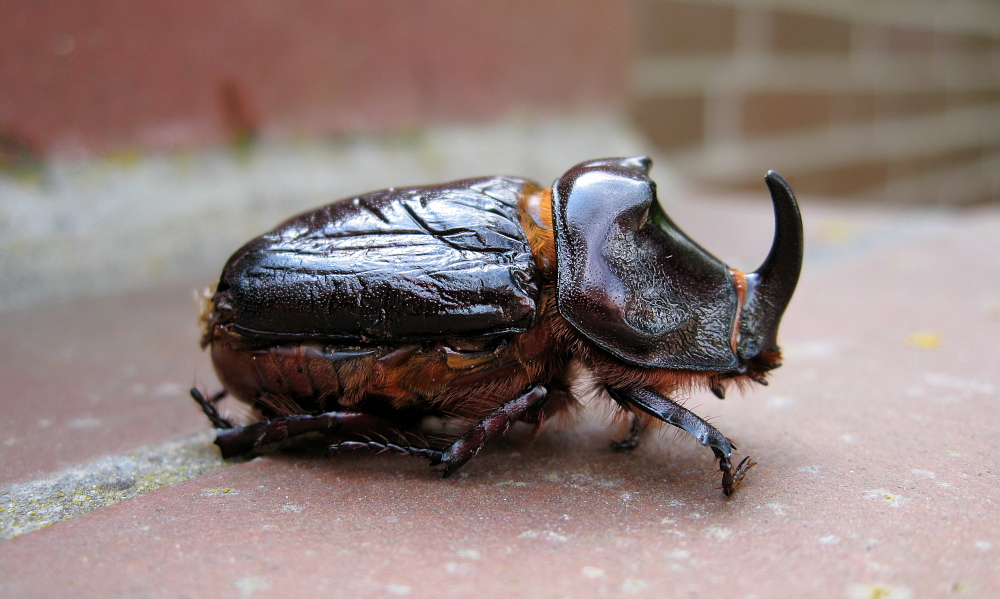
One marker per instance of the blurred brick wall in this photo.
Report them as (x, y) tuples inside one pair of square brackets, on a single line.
[(113, 74), (896, 100)]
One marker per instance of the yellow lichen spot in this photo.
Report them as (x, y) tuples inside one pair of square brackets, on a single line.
[(878, 591), (924, 340), (60, 495)]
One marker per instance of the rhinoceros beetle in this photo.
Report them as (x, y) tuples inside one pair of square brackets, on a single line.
[(471, 300)]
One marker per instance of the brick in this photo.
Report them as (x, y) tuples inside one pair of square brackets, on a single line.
[(871, 177), (773, 113), (970, 44), (795, 33), (102, 76), (671, 122), (973, 98), (875, 106), (843, 180), (898, 40), (686, 28)]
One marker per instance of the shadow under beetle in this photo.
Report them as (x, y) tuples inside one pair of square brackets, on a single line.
[(472, 299)]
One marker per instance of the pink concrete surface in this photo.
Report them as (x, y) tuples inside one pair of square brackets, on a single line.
[(122, 75), (96, 377), (876, 474)]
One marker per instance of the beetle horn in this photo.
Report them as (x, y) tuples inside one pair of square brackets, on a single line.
[(770, 287)]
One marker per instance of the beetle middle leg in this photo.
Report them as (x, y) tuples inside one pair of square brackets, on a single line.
[(671, 412), (636, 428), (526, 407), (494, 425)]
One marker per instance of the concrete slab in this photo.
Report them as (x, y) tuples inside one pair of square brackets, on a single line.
[(96, 377), (875, 476)]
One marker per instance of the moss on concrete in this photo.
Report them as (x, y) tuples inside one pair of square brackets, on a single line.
[(29, 506)]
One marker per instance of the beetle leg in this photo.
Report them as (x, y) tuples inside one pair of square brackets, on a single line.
[(243, 439), (433, 455), (731, 480), (671, 412), (630, 442), (526, 407), (210, 409), (494, 425)]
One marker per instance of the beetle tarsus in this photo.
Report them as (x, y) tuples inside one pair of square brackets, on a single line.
[(731, 479), (494, 425), (208, 406), (431, 454), (635, 434)]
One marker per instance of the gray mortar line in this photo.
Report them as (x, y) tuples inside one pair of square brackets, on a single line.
[(29, 506)]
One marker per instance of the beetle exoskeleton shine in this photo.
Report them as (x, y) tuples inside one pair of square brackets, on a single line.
[(472, 299)]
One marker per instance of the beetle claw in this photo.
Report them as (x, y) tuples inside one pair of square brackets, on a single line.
[(731, 479)]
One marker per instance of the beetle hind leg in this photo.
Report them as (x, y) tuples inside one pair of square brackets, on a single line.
[(244, 439), (236, 440), (209, 407)]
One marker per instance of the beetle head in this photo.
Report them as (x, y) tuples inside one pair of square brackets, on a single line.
[(632, 282)]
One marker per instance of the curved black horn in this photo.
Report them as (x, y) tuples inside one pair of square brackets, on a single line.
[(770, 288)]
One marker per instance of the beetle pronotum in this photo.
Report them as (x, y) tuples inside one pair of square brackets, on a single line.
[(471, 300)]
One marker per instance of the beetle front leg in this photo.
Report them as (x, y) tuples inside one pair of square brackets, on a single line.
[(671, 412), (494, 425)]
